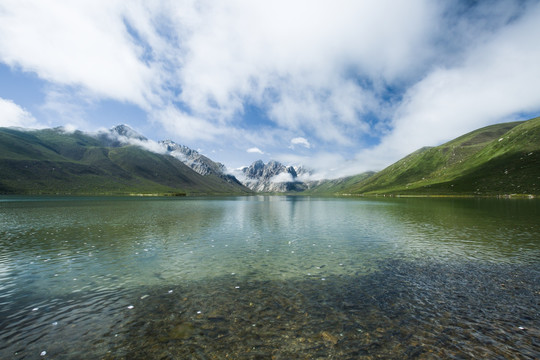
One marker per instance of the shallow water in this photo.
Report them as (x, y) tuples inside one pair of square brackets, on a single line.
[(269, 277)]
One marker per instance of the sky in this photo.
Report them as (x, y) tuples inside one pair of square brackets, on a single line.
[(339, 86)]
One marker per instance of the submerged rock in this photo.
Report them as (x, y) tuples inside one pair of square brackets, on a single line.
[(181, 331), (329, 337)]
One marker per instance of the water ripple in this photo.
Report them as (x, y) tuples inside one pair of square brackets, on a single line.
[(269, 276)]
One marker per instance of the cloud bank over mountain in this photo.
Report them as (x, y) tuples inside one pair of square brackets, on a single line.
[(12, 115), (341, 86)]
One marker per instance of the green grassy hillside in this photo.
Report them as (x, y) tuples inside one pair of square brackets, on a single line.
[(335, 186), (498, 159), (53, 162)]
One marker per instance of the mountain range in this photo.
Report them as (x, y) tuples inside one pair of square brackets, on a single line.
[(117, 161), (498, 159), (272, 177)]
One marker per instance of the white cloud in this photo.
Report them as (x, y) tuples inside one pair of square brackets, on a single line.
[(255, 150), (324, 165), (210, 58), (68, 105), (323, 69), (77, 44), (149, 145), (492, 84), (300, 141), (282, 178), (130, 136), (185, 125), (297, 66), (12, 115), (69, 128)]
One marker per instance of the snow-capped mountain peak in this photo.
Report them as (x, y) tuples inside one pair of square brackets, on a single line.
[(126, 131), (270, 177), (193, 158)]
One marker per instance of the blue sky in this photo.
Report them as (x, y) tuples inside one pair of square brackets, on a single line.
[(340, 86)]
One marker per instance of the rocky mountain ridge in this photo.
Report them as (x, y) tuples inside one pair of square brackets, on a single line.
[(259, 177), (198, 162), (272, 177), (193, 158), (121, 135)]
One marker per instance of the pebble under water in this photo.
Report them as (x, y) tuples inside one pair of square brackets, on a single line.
[(403, 311), (441, 301)]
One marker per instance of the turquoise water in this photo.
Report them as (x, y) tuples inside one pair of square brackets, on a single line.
[(269, 277)]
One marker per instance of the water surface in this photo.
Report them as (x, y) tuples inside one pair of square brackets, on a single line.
[(269, 277)]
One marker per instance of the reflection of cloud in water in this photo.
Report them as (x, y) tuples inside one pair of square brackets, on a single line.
[(389, 266)]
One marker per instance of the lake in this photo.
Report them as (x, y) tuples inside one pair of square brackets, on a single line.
[(269, 277)]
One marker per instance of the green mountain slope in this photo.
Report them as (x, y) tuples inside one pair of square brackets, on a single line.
[(335, 186), (54, 162), (498, 159)]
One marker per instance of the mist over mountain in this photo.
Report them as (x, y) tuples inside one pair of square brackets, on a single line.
[(501, 159), (114, 161), (271, 177), (498, 159), (122, 135), (127, 132), (192, 158)]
